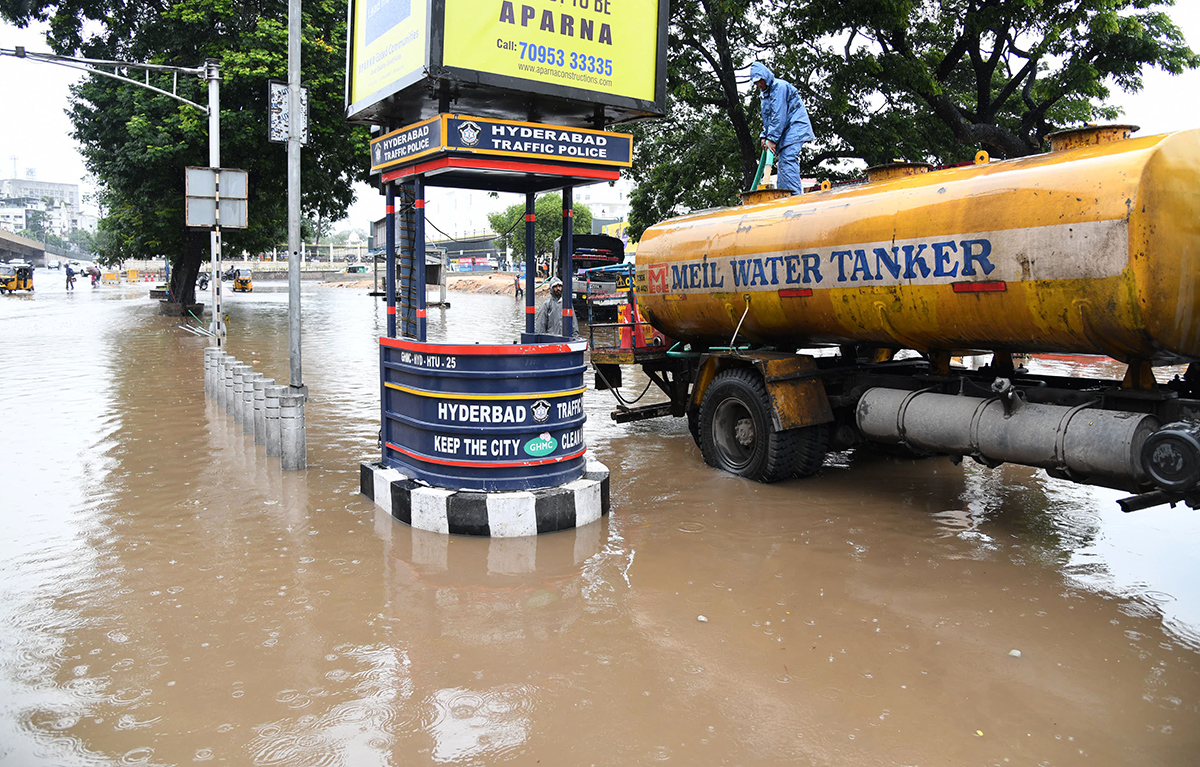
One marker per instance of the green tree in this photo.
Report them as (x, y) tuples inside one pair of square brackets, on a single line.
[(315, 228), (36, 224), (509, 224), (936, 80), (137, 143), (82, 239), (343, 237), (926, 80), (706, 149)]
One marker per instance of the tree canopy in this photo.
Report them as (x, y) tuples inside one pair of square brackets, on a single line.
[(931, 80), (137, 143), (509, 224)]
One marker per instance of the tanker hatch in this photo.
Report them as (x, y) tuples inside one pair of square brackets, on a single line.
[(755, 196), (896, 169), (1089, 135)]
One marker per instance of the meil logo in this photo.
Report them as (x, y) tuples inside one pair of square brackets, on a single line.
[(657, 274)]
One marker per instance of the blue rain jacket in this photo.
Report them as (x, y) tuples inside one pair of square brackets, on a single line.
[(785, 120)]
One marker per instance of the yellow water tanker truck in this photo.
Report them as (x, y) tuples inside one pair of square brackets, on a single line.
[(797, 317)]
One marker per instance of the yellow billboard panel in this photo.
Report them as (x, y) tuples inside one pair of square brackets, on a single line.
[(606, 46), (389, 46)]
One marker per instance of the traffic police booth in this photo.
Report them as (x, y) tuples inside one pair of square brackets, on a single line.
[(503, 96)]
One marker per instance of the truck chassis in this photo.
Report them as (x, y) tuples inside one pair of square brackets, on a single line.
[(771, 414)]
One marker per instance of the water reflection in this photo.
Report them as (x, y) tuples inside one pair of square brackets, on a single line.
[(172, 596)]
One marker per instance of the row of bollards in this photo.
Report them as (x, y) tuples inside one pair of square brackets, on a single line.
[(273, 414)]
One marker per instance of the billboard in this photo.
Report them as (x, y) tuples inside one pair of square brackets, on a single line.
[(605, 46), (389, 47), (583, 63)]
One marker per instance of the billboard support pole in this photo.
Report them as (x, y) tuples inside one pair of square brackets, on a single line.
[(530, 261)]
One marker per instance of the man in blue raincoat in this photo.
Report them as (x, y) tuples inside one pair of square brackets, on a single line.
[(785, 125)]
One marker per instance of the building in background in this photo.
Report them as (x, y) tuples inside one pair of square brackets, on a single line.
[(609, 203), (471, 254), (61, 204), (31, 189)]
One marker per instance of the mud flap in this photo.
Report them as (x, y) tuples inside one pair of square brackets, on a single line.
[(798, 397), (608, 377)]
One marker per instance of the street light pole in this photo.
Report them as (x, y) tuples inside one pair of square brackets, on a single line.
[(293, 185), (212, 73), (294, 454)]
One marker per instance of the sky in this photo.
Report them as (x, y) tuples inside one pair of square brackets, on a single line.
[(35, 132)]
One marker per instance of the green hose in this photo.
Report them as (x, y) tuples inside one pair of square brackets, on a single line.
[(767, 158)]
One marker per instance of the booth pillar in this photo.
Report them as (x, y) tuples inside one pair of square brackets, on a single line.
[(418, 256), (530, 262), (390, 255), (568, 228)]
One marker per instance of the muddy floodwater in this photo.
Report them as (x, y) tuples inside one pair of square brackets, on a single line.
[(169, 596)]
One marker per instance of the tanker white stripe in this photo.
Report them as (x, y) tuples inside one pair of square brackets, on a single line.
[(1088, 250)]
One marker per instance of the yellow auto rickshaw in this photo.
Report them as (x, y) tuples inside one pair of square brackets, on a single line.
[(14, 277), (242, 281)]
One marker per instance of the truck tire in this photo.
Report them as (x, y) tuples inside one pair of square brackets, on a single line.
[(737, 433), (693, 419)]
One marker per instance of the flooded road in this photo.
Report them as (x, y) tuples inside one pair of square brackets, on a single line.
[(169, 596)]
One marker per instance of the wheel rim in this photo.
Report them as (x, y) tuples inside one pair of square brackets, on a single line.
[(734, 434)]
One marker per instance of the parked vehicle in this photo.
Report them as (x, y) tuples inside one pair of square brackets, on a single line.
[(790, 314), (54, 263), (589, 252)]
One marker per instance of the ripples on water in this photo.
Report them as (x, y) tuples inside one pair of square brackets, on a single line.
[(170, 596)]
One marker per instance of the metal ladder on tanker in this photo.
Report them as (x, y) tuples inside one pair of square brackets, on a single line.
[(406, 282)]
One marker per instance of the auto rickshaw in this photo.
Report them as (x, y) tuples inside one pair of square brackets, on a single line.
[(14, 277), (242, 281)]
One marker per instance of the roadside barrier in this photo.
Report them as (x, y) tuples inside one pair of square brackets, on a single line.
[(273, 415)]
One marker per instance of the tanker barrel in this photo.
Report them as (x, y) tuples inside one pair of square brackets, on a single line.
[(1083, 441)]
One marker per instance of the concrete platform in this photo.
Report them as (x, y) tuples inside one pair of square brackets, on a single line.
[(496, 515)]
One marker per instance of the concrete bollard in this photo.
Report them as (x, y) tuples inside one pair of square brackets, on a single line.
[(271, 397), (219, 382), (211, 362), (260, 409), (294, 448), (218, 375), (208, 369), (248, 402), (235, 397), (227, 385)]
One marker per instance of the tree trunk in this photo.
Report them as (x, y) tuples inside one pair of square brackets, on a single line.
[(185, 269)]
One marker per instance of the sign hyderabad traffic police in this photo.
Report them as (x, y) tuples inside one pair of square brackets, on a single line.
[(461, 134)]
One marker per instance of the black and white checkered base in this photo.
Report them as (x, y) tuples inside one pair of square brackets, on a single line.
[(499, 515)]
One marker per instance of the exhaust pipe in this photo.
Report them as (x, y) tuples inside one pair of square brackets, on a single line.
[(1098, 446)]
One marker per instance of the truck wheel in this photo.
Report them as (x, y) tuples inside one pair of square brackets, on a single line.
[(814, 444), (693, 419), (738, 436)]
